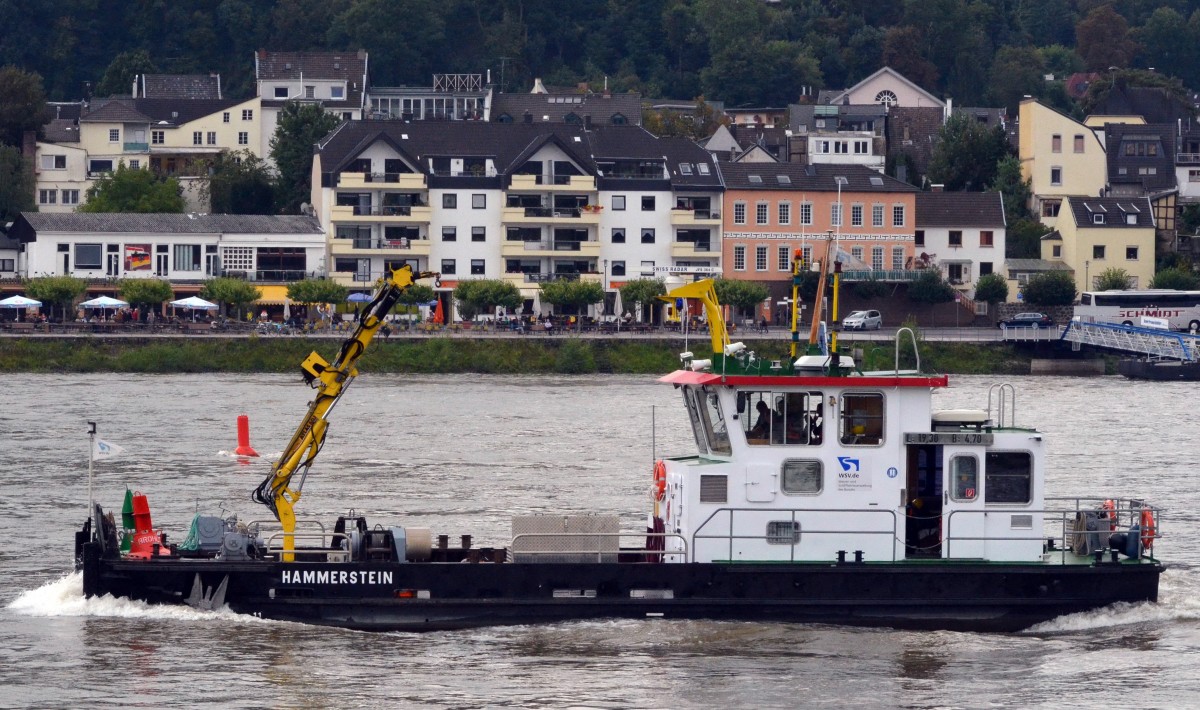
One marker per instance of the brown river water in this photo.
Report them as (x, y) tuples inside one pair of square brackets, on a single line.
[(462, 454)]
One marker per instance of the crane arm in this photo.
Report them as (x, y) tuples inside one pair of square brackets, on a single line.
[(330, 380), (706, 291)]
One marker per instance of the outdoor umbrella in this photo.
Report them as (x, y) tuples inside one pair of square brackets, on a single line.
[(104, 302), (195, 303), (19, 302), (358, 297), (439, 315)]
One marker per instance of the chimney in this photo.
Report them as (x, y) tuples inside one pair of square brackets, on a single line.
[(29, 145), (937, 187), (528, 117), (587, 121)]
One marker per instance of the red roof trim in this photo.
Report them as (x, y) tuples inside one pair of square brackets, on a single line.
[(686, 377)]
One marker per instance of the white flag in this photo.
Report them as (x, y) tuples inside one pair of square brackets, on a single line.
[(103, 449)]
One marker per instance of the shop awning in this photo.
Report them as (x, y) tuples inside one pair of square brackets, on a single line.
[(273, 295)]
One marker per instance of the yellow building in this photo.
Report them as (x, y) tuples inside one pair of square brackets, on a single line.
[(1100, 234), (1060, 157)]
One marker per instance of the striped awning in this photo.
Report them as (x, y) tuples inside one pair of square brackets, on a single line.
[(273, 295)]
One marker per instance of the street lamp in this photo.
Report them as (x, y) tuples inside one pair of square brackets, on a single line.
[(1086, 266)]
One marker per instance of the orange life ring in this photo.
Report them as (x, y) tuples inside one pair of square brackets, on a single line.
[(660, 480), (1110, 512), (1149, 530)]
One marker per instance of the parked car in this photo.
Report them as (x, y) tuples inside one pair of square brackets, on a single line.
[(863, 320), (1028, 320)]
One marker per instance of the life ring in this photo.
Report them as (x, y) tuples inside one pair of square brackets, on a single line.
[(1110, 511), (660, 480), (1149, 530)]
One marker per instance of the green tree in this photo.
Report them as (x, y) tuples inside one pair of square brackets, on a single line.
[(1023, 240), (239, 183), (299, 127), (1112, 279), (578, 294), (144, 293), (22, 105), (227, 291), (1170, 44), (903, 51), (478, 296), (967, 154), (1050, 288), (134, 190), (742, 295), (17, 184), (930, 287), (60, 291), (991, 288), (118, 77), (308, 291), (641, 292), (1102, 39), (1016, 72), (1176, 278), (1016, 190)]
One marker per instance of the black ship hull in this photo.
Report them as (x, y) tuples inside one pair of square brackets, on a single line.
[(1170, 370), (392, 596)]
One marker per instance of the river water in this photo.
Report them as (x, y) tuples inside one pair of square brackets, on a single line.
[(461, 454)]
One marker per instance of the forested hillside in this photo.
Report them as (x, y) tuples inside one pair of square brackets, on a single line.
[(743, 52)]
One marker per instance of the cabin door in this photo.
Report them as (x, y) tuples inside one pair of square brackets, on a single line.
[(963, 520), (923, 502)]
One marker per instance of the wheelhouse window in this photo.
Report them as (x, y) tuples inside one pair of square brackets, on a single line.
[(964, 473), (708, 424), (1008, 477), (862, 419), (780, 418)]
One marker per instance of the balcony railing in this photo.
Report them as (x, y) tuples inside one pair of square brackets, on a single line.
[(882, 275), (382, 210), (372, 243), (1187, 158), (271, 275), (569, 212), (543, 278), (136, 147), (385, 177), (561, 245)]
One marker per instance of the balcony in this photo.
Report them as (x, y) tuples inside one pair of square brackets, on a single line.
[(381, 214), (136, 147), (549, 248), (379, 247), (698, 249), (695, 218), (1187, 158), (552, 183), (403, 181), (549, 215)]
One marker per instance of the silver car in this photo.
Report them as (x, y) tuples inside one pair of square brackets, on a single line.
[(863, 320)]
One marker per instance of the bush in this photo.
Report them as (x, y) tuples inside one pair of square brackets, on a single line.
[(1177, 278), (871, 288), (930, 287), (991, 288), (1052, 288), (1112, 279)]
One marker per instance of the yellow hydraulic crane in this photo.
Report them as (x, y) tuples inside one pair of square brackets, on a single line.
[(330, 381)]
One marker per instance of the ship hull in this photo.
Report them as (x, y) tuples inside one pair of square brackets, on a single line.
[(390, 596)]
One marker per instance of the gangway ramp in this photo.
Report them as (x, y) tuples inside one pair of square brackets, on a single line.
[(1146, 341)]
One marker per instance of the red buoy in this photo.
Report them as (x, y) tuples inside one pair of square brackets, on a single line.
[(145, 537), (243, 447)]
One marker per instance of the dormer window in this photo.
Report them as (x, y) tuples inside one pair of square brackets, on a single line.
[(618, 119), (281, 92), (337, 92)]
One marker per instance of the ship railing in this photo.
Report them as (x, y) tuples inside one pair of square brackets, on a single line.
[(578, 546), (791, 538), (330, 547), (1059, 526)]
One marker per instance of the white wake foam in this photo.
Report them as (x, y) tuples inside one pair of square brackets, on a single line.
[(1175, 607), (64, 597)]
